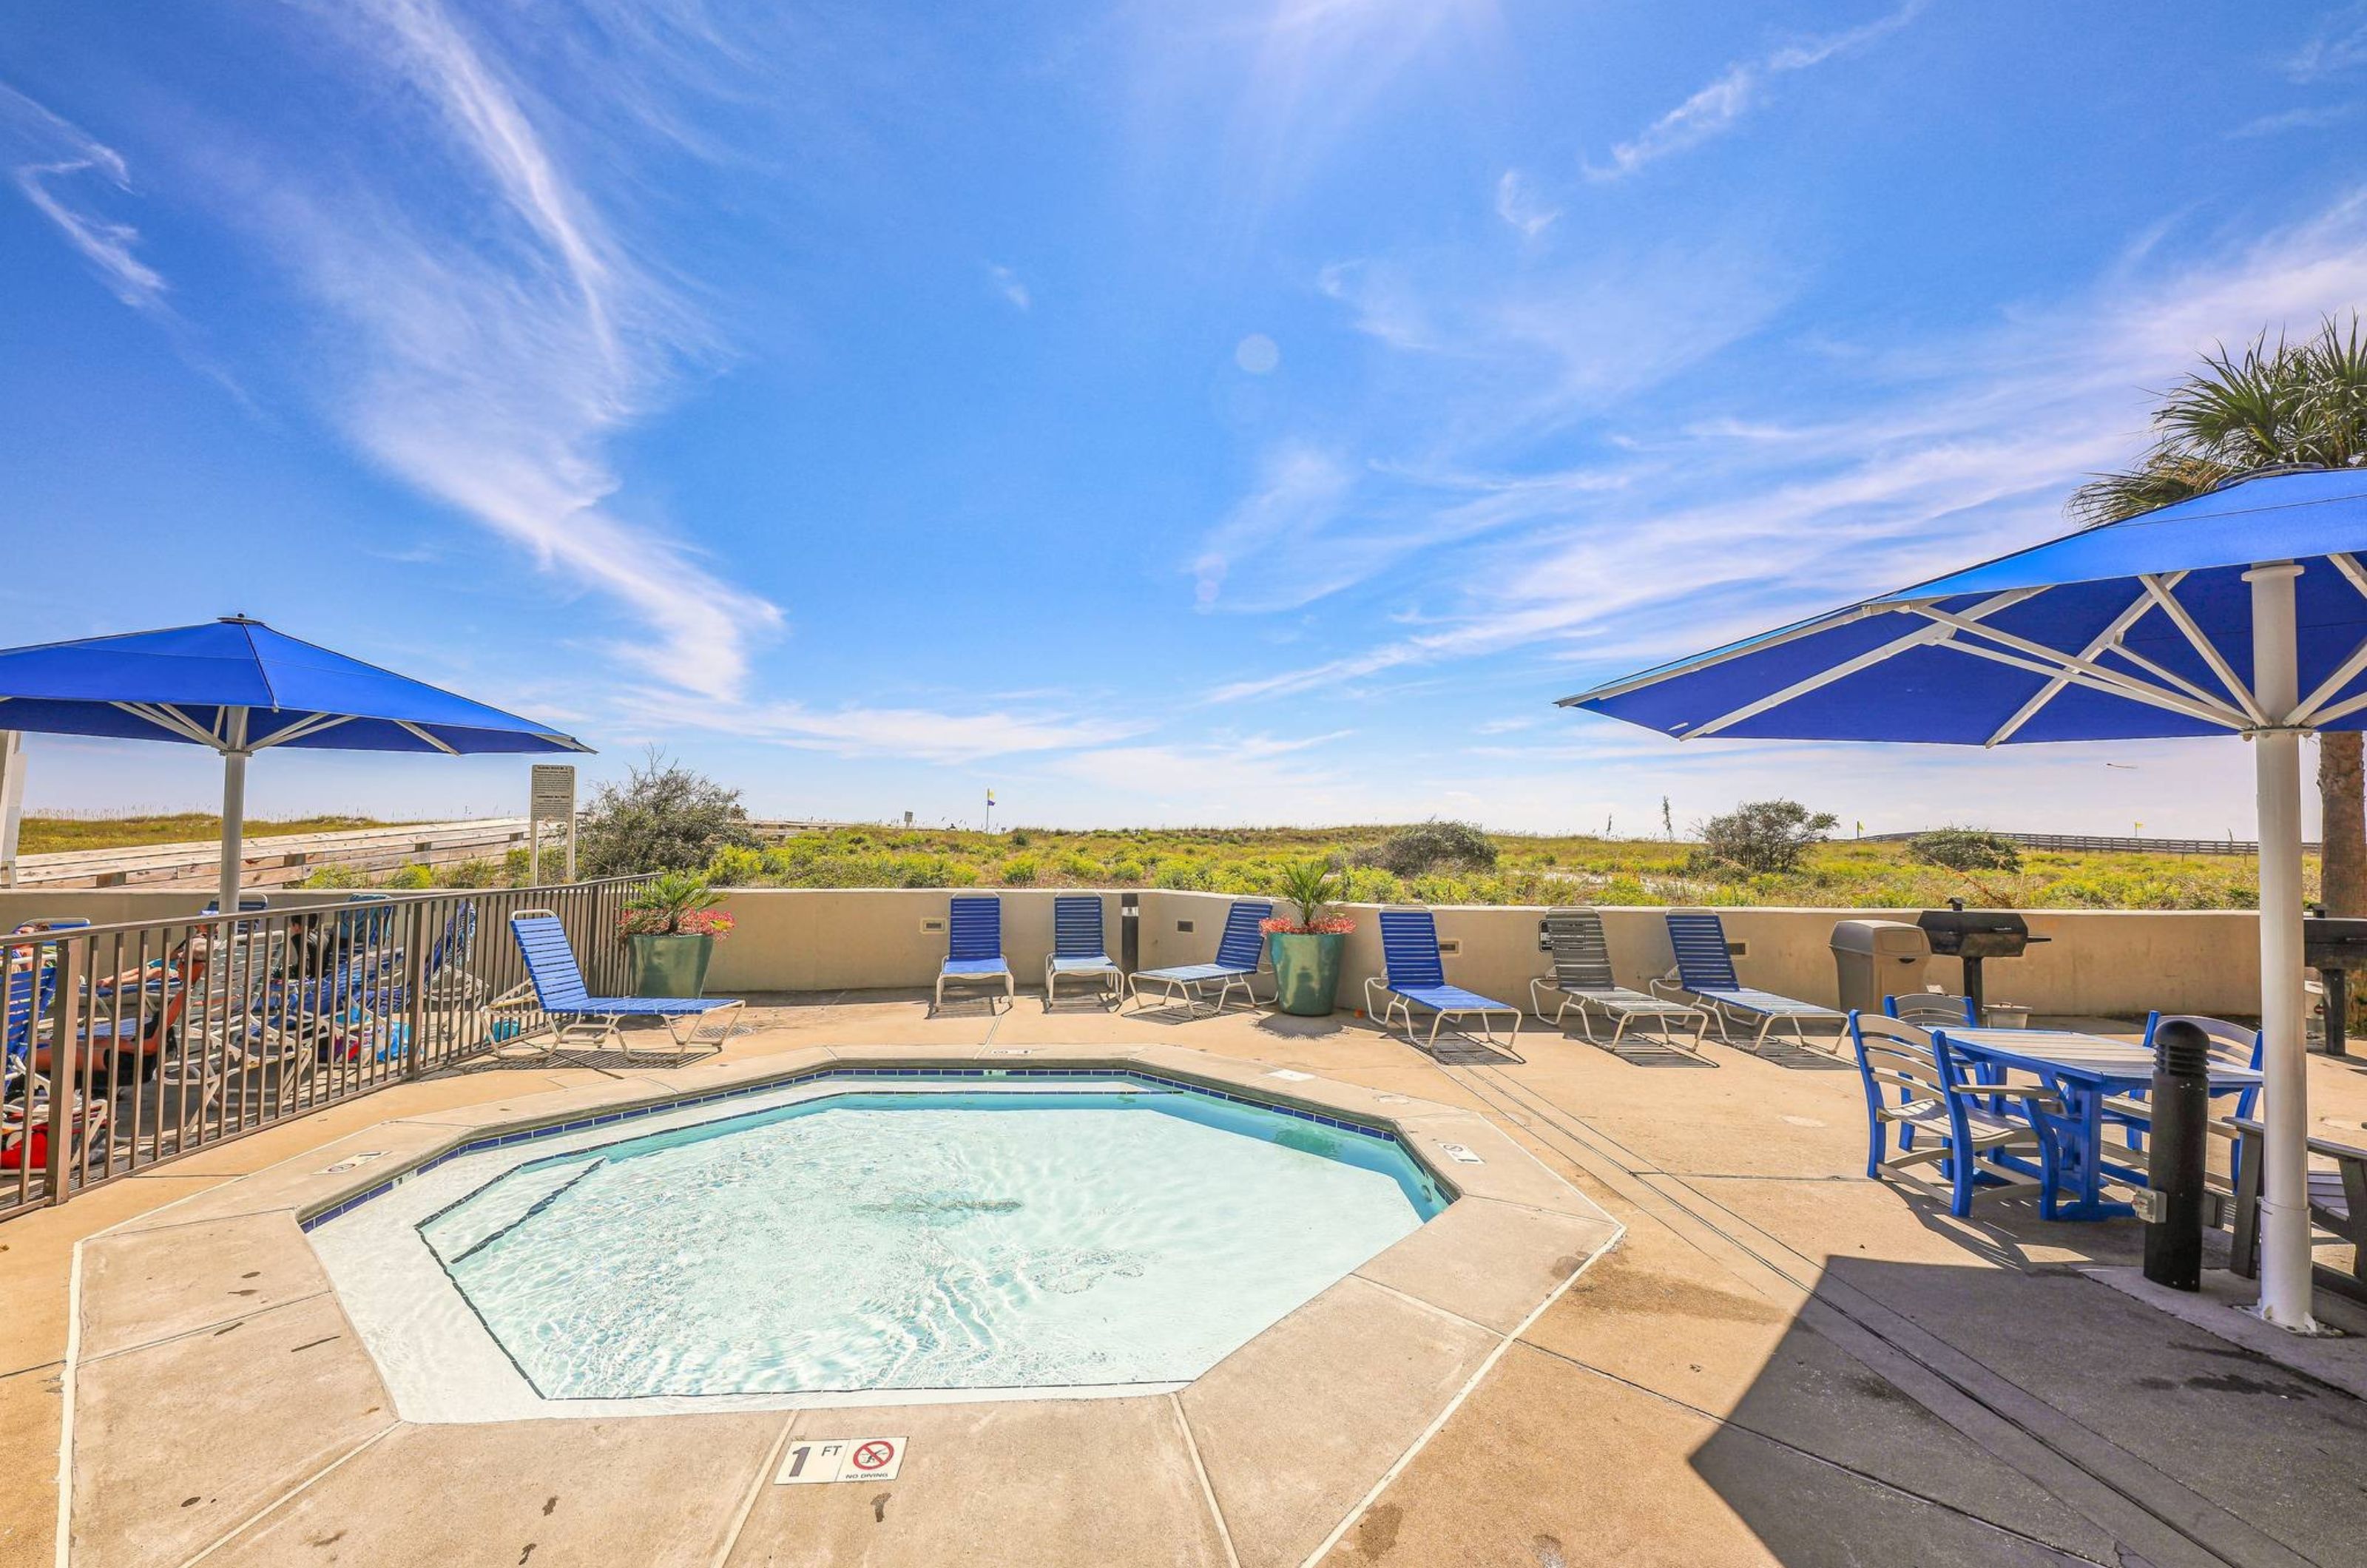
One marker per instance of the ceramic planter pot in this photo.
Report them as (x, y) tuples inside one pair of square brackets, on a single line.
[(1306, 970), (669, 966)]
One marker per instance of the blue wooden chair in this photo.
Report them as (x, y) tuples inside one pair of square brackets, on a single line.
[(1914, 1082), (581, 1021), (974, 947), (1239, 955), (2232, 1046), (1414, 976), (1705, 970), (1078, 947)]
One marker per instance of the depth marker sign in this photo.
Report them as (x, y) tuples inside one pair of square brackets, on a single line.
[(813, 1459)]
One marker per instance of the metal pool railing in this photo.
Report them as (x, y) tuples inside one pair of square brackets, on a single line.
[(128, 1045)]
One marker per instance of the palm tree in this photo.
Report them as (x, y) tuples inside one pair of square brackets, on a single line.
[(2294, 405)]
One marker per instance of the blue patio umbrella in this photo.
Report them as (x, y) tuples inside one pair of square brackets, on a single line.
[(238, 686), (2242, 612)]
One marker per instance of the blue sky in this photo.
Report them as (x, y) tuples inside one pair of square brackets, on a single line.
[(1231, 412)]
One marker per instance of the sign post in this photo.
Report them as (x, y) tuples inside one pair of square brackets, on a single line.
[(553, 800)]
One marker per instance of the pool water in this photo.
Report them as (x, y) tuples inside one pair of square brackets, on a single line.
[(923, 1240)]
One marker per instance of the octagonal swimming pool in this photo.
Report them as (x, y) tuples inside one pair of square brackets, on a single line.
[(890, 1236)]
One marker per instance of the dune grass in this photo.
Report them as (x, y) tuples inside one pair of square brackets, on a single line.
[(44, 835), (1528, 870)]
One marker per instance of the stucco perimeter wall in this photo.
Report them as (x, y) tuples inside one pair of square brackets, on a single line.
[(2098, 963)]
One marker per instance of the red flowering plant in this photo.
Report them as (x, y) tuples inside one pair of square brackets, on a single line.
[(676, 904), (1312, 886)]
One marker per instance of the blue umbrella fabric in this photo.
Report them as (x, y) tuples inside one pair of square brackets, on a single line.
[(239, 687), (235, 684), (2138, 630), (2240, 612)]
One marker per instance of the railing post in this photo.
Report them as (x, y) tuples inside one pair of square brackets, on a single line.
[(414, 991), (65, 1025)]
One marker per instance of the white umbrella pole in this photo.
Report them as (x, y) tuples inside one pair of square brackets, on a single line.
[(233, 828), (2284, 1101)]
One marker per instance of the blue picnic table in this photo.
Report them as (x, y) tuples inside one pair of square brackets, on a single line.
[(2080, 1072)]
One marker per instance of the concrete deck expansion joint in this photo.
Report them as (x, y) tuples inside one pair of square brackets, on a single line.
[(213, 1364)]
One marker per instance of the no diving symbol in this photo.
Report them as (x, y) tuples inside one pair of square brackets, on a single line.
[(808, 1461)]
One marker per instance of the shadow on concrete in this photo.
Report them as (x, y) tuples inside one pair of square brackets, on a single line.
[(2221, 1454)]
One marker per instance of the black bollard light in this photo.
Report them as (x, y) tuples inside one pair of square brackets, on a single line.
[(2180, 1107)]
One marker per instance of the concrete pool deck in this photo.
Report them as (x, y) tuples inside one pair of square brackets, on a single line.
[(1780, 1361)]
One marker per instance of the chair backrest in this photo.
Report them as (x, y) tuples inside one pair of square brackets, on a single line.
[(1409, 948), (2232, 1045), (1077, 925), (248, 904), (1702, 961), (549, 959), (974, 926), (29, 991), (1930, 1009), (1244, 945), (1899, 1055), (458, 936), (1581, 955)]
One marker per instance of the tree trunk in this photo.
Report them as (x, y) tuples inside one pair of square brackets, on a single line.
[(2342, 864)]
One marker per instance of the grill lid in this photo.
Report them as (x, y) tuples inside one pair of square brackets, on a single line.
[(1976, 933)]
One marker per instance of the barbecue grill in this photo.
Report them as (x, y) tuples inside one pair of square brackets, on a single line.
[(2334, 947), (1972, 936)]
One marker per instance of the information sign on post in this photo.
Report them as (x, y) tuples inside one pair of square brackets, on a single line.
[(553, 801)]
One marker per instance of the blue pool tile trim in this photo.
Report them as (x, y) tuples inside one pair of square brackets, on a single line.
[(813, 1075)]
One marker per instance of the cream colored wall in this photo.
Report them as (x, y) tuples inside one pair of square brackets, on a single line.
[(2100, 961), (791, 939)]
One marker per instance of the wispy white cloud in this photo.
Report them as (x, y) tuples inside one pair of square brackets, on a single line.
[(920, 734), (1715, 108), (1007, 284), (494, 334), (1743, 523), (2311, 118), (1518, 204), (58, 153), (2338, 45)]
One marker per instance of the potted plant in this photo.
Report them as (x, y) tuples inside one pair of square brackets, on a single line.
[(1306, 950), (669, 928)]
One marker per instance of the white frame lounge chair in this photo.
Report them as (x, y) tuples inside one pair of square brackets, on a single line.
[(1078, 945), (1241, 957), (1414, 975), (974, 948), (1705, 970), (581, 1023), (1581, 978)]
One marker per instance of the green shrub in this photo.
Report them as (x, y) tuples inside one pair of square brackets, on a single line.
[(336, 876), (736, 866), (663, 817), (1125, 870), (1763, 836), (1019, 871), (1965, 849), (411, 876), (1426, 846), (474, 873)]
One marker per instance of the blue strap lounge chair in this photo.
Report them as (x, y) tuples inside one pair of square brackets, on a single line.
[(1239, 955), (1705, 970), (1415, 977), (1969, 1132), (1078, 947), (974, 947), (581, 1021)]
